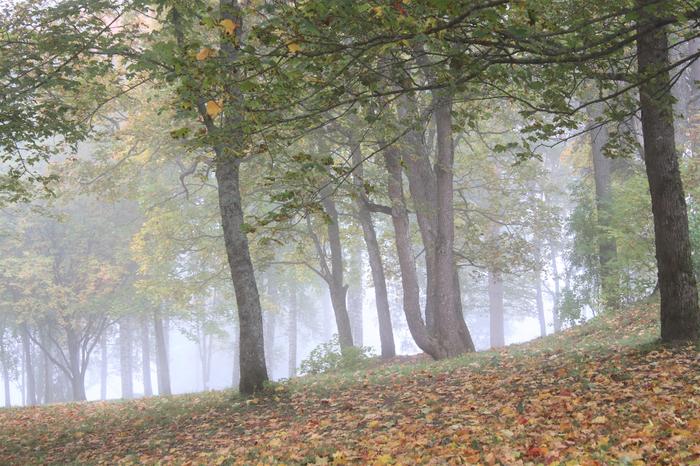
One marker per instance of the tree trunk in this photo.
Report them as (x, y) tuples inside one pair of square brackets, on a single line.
[(47, 368), (5, 375), (680, 317), (269, 328), (355, 297), (338, 289), (146, 358), (450, 326), (235, 369), (28, 366), (162, 363), (540, 303), (126, 359), (75, 373), (376, 265), (496, 314), (556, 319), (292, 333), (407, 263), (602, 174), (103, 366)]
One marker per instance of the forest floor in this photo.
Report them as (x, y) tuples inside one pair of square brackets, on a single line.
[(601, 393)]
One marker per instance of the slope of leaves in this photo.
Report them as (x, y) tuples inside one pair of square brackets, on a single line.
[(601, 393)]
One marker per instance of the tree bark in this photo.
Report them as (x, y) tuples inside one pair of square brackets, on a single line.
[(680, 316), (496, 314), (126, 365), (450, 327), (162, 363), (103, 367), (355, 297), (227, 166), (30, 399), (376, 265), (602, 174), (5, 371), (540, 303), (75, 372), (146, 358), (292, 333), (407, 264)]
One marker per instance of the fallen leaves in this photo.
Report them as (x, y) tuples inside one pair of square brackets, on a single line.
[(530, 405)]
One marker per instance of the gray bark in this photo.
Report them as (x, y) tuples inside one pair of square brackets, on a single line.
[(146, 358), (496, 314), (162, 363), (30, 387), (103, 367), (292, 332), (126, 366), (680, 316)]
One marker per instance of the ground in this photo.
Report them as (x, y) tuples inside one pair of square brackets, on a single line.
[(601, 393)]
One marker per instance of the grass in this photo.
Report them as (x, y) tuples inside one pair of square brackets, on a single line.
[(588, 394)]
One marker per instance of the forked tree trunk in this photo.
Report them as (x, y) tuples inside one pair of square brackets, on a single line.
[(376, 265), (680, 317)]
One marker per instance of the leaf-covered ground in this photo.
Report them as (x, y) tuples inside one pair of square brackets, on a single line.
[(602, 393)]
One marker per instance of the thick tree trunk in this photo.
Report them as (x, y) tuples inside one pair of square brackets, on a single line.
[(292, 333), (146, 358), (376, 265), (235, 367), (496, 312), (162, 363), (450, 326), (602, 174), (680, 317), (252, 348), (30, 399), (103, 366), (126, 366)]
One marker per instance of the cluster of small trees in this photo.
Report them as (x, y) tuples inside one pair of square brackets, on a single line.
[(306, 126)]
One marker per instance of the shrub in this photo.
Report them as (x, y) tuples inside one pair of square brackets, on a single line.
[(328, 357)]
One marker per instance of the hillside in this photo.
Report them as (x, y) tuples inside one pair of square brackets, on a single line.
[(601, 393)]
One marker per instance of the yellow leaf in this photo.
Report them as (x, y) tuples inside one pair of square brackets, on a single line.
[(600, 420), (214, 108), (275, 442), (378, 11), (229, 26), (384, 459), (294, 47), (204, 53)]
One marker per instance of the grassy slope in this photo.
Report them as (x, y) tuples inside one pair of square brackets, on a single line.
[(602, 393)]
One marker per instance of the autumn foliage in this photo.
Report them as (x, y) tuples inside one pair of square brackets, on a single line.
[(602, 393)]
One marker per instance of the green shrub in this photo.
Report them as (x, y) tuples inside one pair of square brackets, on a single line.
[(328, 357)]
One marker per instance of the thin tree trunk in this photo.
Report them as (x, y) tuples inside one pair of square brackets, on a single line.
[(556, 318), (336, 281), (126, 358), (496, 314), (5, 374), (376, 265), (355, 297), (269, 328), (146, 358), (28, 366), (602, 174), (292, 333), (540, 303), (103, 366), (680, 316), (77, 376), (48, 371), (162, 363)]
